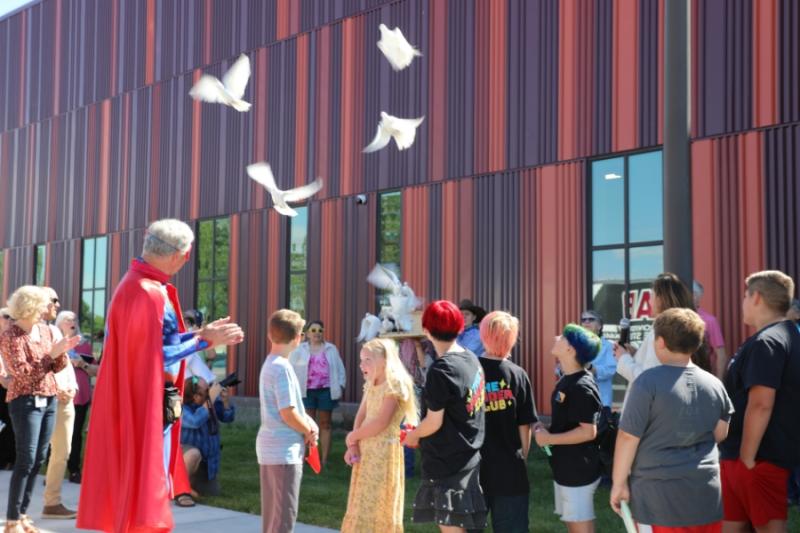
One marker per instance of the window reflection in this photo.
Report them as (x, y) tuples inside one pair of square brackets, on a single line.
[(608, 197), (645, 197)]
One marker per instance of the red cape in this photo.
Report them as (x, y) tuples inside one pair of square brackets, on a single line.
[(124, 486)]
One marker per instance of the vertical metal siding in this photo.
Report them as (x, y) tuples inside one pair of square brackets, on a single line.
[(728, 231), (766, 61), (782, 199), (789, 57)]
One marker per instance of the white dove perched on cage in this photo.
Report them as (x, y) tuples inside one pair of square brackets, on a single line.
[(397, 50), (370, 328), (402, 301), (229, 91)]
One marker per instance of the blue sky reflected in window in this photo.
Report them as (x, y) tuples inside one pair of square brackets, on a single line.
[(645, 197), (608, 190), (9, 6), (608, 266), (647, 262)]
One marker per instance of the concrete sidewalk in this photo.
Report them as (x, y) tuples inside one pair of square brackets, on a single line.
[(199, 519)]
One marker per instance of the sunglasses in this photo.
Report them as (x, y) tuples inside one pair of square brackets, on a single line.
[(7, 317), (315, 330), (588, 319), (54, 300)]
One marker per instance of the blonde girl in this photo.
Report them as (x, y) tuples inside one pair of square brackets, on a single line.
[(377, 484)]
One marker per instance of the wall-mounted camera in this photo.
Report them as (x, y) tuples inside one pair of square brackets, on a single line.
[(361, 199)]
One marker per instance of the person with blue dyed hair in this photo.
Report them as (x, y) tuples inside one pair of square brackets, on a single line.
[(575, 406)]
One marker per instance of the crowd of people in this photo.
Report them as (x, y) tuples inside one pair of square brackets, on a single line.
[(690, 453)]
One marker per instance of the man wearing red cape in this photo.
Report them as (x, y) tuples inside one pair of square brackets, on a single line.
[(134, 465)]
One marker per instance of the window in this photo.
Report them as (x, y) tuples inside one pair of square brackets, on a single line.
[(389, 235), (213, 250), (298, 260), (40, 262), (92, 315), (626, 238)]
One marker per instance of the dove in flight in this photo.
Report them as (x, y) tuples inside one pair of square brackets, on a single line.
[(230, 90), (262, 174), (397, 50), (403, 130)]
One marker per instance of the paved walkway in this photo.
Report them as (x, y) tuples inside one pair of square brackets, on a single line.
[(199, 519)]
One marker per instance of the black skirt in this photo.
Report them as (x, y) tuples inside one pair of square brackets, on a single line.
[(453, 501)]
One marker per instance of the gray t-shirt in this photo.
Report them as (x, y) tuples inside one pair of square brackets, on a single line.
[(675, 480)]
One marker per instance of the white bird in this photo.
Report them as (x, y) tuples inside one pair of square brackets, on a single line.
[(384, 278), (370, 328), (262, 174), (396, 48), (230, 90), (404, 130)]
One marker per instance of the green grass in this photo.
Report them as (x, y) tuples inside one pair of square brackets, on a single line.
[(323, 498)]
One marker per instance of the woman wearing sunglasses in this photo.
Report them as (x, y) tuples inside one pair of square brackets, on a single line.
[(320, 371)]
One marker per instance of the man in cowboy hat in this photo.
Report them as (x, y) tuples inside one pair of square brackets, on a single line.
[(470, 338)]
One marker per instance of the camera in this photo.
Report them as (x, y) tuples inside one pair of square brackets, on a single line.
[(361, 199), (231, 381)]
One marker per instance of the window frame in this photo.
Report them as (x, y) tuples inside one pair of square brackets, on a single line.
[(380, 295), (289, 271), (213, 279), (626, 246), (39, 251)]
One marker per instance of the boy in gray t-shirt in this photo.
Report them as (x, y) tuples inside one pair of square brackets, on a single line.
[(674, 416)]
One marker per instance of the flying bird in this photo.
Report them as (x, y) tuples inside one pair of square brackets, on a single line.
[(403, 130), (262, 174), (397, 50), (229, 91)]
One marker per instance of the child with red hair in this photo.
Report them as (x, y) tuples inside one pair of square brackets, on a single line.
[(451, 433)]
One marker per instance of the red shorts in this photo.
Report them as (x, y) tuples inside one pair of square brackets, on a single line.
[(756, 496), (715, 527)]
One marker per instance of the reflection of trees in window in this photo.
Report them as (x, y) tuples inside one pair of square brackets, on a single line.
[(389, 234), (40, 260), (626, 237), (213, 251), (298, 257), (92, 314)]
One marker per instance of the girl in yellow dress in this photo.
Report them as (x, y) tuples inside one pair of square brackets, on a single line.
[(377, 485)]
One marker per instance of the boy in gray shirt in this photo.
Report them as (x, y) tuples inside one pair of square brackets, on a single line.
[(675, 415)]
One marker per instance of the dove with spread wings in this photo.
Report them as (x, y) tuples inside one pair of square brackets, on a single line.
[(397, 50), (229, 91), (261, 173), (402, 300), (403, 130)]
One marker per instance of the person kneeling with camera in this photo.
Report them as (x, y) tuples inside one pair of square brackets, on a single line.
[(203, 410)]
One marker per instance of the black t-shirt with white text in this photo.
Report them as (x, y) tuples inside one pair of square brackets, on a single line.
[(575, 400), (454, 384), (509, 404), (770, 358)]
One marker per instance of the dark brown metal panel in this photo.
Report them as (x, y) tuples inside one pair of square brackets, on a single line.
[(64, 261), (18, 267), (782, 199)]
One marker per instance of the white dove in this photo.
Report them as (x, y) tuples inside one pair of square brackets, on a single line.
[(385, 279), (404, 130), (370, 328), (396, 48), (262, 174), (229, 91)]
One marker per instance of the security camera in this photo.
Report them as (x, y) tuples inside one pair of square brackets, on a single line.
[(361, 199)]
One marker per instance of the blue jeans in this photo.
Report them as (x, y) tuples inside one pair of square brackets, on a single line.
[(33, 427), (509, 514)]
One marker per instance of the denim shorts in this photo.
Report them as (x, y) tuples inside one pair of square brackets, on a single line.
[(320, 399)]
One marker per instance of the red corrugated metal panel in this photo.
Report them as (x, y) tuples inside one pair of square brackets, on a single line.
[(625, 105), (457, 247), (553, 266), (728, 224), (576, 78), (490, 76), (765, 63), (437, 90), (416, 244)]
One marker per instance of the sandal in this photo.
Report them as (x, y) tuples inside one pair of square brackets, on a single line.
[(184, 500), (27, 524), (13, 526)]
